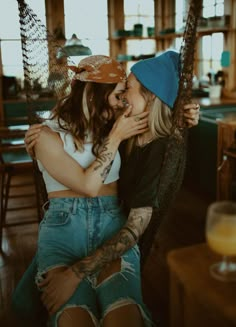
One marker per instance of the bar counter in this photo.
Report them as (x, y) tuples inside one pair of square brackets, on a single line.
[(221, 102)]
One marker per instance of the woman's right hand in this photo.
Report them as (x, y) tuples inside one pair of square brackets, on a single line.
[(31, 137), (126, 126)]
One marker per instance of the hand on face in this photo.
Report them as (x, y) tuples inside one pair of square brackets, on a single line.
[(191, 114), (127, 125)]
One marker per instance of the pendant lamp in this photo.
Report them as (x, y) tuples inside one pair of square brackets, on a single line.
[(73, 47)]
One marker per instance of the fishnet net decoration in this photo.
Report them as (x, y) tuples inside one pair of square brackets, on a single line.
[(41, 69), (172, 172)]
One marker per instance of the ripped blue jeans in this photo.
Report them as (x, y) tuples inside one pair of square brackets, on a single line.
[(73, 228)]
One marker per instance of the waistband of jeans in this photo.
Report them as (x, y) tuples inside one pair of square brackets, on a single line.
[(72, 203)]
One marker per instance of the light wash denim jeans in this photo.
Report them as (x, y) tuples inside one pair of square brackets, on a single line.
[(73, 228)]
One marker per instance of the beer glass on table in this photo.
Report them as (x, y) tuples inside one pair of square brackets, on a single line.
[(221, 238)]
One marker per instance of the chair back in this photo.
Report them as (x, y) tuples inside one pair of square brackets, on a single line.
[(12, 147), (21, 113)]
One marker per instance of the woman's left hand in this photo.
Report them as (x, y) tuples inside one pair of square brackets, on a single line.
[(126, 126), (58, 287), (191, 114), (31, 138)]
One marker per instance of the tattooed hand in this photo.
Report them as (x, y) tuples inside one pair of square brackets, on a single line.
[(126, 126), (127, 237)]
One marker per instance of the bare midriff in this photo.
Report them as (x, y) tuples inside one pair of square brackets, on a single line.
[(105, 190)]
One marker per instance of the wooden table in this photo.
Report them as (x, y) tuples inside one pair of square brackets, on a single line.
[(196, 298)]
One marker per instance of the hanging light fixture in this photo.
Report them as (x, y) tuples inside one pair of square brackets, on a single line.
[(73, 47)]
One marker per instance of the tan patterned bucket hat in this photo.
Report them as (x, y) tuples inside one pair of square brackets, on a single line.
[(99, 69)]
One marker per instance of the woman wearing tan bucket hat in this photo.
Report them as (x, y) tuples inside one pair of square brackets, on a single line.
[(84, 220)]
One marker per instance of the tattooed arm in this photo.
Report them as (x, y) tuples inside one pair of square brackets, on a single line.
[(114, 248), (54, 295), (49, 150)]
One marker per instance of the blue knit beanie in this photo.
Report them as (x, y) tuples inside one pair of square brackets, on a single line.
[(160, 75)]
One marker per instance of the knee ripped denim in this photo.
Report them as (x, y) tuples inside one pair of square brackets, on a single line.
[(73, 228)]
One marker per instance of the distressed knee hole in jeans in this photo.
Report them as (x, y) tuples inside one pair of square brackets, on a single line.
[(119, 284), (72, 315), (117, 266), (109, 270)]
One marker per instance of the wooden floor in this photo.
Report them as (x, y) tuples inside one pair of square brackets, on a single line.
[(19, 242), (184, 226)]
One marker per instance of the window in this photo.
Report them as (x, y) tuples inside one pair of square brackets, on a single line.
[(212, 45), (213, 8), (180, 15), (141, 14), (93, 31), (10, 42), (210, 58), (89, 21)]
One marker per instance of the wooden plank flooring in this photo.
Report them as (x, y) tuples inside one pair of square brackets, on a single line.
[(184, 226), (19, 242)]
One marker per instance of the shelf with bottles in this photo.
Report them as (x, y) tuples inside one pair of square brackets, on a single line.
[(210, 25), (132, 37), (161, 36), (200, 32), (125, 57)]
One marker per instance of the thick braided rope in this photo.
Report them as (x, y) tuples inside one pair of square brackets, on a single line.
[(172, 172), (187, 52)]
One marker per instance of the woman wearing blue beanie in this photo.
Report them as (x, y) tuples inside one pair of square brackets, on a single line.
[(152, 87), (160, 75)]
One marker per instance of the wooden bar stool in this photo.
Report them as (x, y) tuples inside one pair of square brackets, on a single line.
[(14, 160)]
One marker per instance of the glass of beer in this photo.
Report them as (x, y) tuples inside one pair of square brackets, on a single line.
[(221, 238)]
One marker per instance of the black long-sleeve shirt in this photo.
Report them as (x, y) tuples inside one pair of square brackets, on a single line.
[(140, 174)]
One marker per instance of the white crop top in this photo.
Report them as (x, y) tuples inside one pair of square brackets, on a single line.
[(84, 158)]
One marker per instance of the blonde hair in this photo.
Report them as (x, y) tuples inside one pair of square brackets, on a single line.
[(160, 119)]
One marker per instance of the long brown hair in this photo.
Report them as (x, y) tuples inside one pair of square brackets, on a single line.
[(86, 111)]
